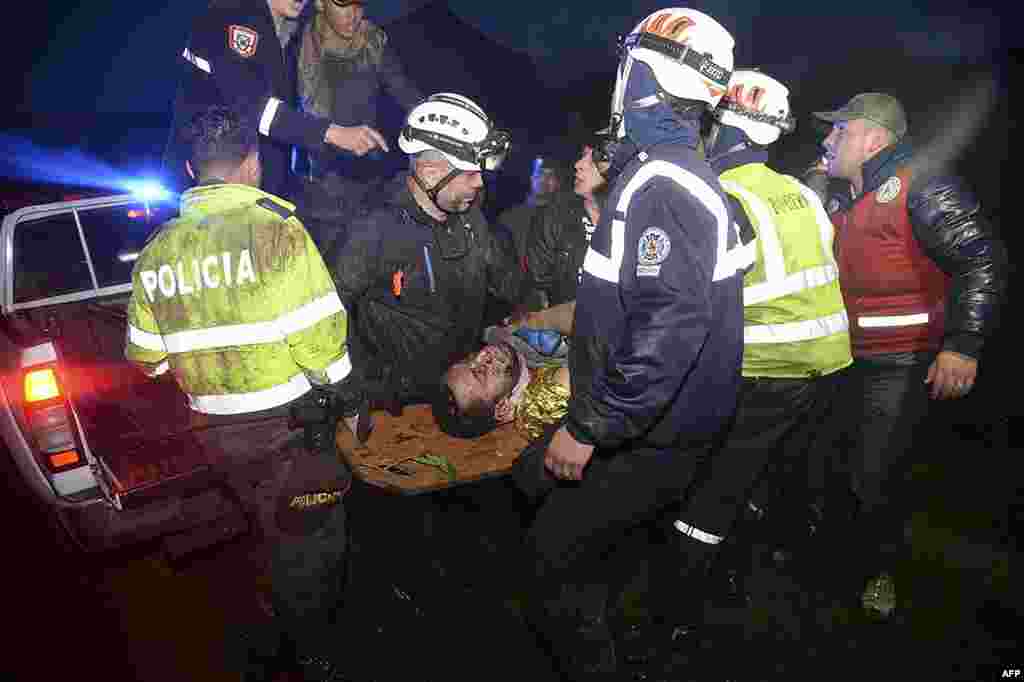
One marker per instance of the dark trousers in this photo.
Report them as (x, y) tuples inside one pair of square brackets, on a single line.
[(294, 498), (885, 404), (780, 442), (575, 561)]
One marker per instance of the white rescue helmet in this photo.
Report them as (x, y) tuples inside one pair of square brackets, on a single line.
[(457, 128), (690, 54), (758, 105)]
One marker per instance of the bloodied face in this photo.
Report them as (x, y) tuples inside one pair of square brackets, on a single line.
[(483, 379)]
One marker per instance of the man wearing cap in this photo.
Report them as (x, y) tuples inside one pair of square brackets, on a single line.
[(923, 277)]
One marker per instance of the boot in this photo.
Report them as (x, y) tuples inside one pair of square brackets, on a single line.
[(879, 597), (581, 647)]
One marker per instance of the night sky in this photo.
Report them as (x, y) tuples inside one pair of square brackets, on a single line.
[(100, 76), (119, 56)]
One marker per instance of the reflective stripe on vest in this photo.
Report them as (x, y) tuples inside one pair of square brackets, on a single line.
[(240, 403), (777, 282), (892, 320), (728, 262), (239, 334), (791, 332)]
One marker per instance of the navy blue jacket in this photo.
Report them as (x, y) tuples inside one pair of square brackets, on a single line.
[(234, 58), (658, 335)]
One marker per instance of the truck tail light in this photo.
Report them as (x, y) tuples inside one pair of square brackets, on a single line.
[(49, 418), (40, 385)]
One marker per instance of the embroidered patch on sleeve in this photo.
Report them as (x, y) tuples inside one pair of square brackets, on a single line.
[(243, 40), (889, 190), (652, 250)]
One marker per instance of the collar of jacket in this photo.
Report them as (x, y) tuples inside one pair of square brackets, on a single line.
[(741, 157), (884, 164), (220, 196), (405, 200)]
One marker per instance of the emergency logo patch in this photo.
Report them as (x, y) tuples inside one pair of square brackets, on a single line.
[(243, 40), (652, 250), (889, 190)]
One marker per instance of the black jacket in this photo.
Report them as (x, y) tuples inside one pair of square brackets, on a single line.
[(948, 224), (353, 86), (559, 235), (233, 57), (658, 333), (447, 270)]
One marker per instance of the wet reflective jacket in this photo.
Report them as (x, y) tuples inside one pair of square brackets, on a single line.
[(796, 325), (234, 298)]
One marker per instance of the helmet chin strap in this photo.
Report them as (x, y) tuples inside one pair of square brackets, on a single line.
[(436, 189)]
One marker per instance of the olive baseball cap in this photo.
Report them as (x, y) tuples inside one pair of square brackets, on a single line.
[(883, 109)]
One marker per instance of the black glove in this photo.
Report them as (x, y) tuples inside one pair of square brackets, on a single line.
[(529, 472), (351, 400)]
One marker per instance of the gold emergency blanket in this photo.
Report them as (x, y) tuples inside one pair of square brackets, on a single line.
[(545, 402)]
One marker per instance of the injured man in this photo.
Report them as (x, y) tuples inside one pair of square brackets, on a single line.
[(495, 386)]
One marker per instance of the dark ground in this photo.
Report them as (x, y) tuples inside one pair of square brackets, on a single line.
[(444, 611)]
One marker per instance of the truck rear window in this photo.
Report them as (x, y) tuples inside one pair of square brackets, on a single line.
[(51, 258)]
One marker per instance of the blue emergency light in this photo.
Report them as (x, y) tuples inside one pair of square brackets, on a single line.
[(148, 190)]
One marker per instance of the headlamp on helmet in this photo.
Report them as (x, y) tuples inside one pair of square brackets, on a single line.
[(456, 127), (758, 105), (702, 63), (489, 154), (787, 124)]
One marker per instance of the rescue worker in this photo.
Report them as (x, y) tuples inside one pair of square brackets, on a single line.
[(236, 57), (234, 301), (416, 272), (796, 337), (923, 277), (344, 61), (656, 346)]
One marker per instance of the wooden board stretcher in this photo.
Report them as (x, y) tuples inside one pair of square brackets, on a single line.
[(387, 460)]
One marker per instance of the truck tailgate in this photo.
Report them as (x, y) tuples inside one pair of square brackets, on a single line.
[(139, 427)]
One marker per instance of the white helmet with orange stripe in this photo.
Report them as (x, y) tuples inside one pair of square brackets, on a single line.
[(689, 53), (758, 105)]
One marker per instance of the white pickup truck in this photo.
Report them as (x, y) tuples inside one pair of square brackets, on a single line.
[(113, 454)]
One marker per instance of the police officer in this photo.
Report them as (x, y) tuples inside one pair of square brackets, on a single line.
[(417, 272), (233, 299), (657, 340), (796, 337), (235, 56)]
